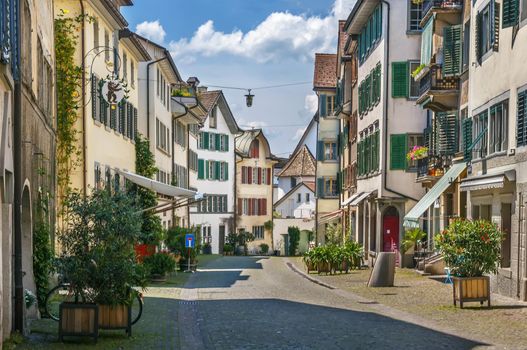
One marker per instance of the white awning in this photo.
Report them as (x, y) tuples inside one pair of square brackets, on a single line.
[(350, 199), (330, 216), (159, 187), (483, 183), (356, 201)]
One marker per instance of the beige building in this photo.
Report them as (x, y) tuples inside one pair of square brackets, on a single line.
[(389, 122), (254, 187), (107, 134), (327, 174)]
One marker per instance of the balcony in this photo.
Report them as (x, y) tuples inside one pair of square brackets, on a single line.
[(440, 6), (437, 92)]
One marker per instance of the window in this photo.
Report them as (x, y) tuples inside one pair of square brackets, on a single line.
[(180, 134), (97, 176), (480, 127), (400, 79), (213, 118), (487, 29), (414, 85), (252, 206), (216, 204), (212, 141), (368, 151), (330, 104), (330, 151), (293, 182), (299, 198), (125, 66), (254, 150), (330, 187), (258, 232), (370, 90), (498, 127), (308, 195), (193, 160), (107, 46), (162, 136), (95, 33), (466, 45), (415, 15), (180, 176), (413, 140), (371, 33), (132, 73)]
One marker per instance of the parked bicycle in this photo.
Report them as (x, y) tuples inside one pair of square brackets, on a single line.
[(65, 292)]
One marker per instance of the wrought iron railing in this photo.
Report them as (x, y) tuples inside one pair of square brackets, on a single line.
[(422, 167), (433, 80), (443, 4)]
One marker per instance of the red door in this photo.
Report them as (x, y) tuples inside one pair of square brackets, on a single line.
[(390, 233)]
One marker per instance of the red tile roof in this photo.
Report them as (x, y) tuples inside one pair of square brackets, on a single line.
[(302, 163), (325, 70), (310, 185), (343, 37), (208, 99)]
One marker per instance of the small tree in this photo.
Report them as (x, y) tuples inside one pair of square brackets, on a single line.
[(294, 237)]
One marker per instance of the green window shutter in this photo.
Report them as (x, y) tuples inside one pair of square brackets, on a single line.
[(400, 79), (217, 139), (217, 172), (323, 105), (205, 136), (320, 150), (226, 143), (201, 169), (207, 170), (467, 138), (511, 13), (452, 50), (360, 99), (447, 133), (477, 41), (521, 133), (226, 173), (398, 152), (320, 187), (377, 154), (359, 157)]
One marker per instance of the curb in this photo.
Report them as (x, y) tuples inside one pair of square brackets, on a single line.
[(306, 276)]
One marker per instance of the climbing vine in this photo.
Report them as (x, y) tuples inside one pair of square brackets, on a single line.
[(69, 84), (151, 229)]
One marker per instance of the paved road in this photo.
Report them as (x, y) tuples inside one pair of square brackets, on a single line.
[(260, 303)]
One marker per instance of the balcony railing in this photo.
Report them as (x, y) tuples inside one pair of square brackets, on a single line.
[(433, 80), (422, 167), (441, 4)]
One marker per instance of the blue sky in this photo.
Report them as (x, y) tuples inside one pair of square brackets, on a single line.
[(249, 44)]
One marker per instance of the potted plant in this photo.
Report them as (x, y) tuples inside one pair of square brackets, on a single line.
[(159, 264), (98, 254), (471, 250), (264, 248), (410, 240), (417, 152), (228, 249)]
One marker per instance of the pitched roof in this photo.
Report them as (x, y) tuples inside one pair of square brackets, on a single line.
[(311, 124), (325, 71), (245, 139), (310, 186), (343, 38), (208, 99), (301, 163)]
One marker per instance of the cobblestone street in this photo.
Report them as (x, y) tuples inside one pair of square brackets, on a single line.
[(265, 303)]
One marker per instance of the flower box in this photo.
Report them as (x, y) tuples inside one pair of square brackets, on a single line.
[(116, 317), (471, 289), (78, 320)]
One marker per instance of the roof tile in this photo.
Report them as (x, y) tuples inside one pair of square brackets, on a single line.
[(325, 70)]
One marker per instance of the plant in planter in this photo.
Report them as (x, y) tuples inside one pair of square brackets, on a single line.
[(264, 248), (417, 152), (471, 249), (228, 249), (98, 255), (159, 265), (410, 240), (245, 237)]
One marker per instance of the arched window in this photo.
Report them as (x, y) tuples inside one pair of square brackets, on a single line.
[(254, 150)]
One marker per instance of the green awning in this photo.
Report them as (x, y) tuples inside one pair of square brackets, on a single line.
[(412, 218)]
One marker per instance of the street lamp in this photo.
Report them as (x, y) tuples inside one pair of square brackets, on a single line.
[(249, 98)]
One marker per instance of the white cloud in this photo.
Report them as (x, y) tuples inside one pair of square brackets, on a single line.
[(280, 36), (299, 133), (151, 30), (311, 103)]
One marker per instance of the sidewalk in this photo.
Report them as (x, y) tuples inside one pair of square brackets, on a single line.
[(504, 323)]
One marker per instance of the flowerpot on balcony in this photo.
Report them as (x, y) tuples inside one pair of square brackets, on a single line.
[(78, 320), (471, 289), (116, 317)]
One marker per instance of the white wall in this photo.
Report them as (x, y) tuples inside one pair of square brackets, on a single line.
[(290, 207)]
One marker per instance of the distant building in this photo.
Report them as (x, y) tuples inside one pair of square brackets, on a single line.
[(254, 187)]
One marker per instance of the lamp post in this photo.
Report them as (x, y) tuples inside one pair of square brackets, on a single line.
[(249, 98)]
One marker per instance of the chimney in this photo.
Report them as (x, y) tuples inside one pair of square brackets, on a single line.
[(202, 89), (193, 82)]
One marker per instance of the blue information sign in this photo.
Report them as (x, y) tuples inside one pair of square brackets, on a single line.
[(189, 240)]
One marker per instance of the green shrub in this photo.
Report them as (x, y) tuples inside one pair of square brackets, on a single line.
[(264, 248), (470, 248), (337, 258), (294, 237), (42, 260), (228, 248), (160, 263)]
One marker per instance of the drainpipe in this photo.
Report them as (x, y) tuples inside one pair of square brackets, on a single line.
[(17, 217), (83, 111), (174, 118), (148, 95), (385, 113), (520, 222)]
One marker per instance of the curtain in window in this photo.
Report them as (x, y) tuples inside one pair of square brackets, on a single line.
[(426, 41)]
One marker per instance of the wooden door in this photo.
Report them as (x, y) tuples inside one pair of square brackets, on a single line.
[(390, 230)]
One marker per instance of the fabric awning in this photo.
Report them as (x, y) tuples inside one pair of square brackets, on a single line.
[(350, 199), (330, 216), (483, 183), (412, 218), (159, 187), (360, 198)]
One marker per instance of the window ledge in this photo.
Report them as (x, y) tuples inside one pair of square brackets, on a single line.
[(414, 32)]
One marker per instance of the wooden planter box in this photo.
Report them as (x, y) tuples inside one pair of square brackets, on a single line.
[(323, 267), (471, 289), (78, 320), (116, 317), (310, 266)]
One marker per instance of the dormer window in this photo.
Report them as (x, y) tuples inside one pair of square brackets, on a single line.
[(254, 150), (213, 119)]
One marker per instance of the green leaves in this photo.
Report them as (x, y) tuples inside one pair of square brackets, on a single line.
[(471, 248), (294, 237)]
